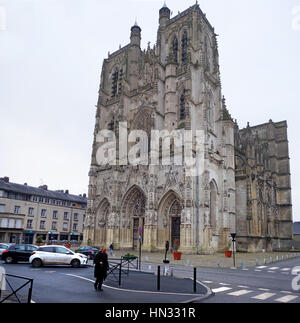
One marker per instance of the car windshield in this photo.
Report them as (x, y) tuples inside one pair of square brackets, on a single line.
[(62, 250)]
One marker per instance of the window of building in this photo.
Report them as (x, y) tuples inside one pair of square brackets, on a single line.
[(54, 225), (43, 213), (42, 225), (75, 226), (11, 223), (41, 200), (18, 224), (175, 48), (75, 216), (2, 208), (4, 223), (65, 226), (55, 214), (47, 200), (184, 43), (31, 211), (115, 78), (66, 216), (182, 106), (29, 224), (17, 210)]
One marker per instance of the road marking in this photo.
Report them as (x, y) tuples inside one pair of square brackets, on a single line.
[(207, 282), (132, 290), (50, 272), (240, 292), (286, 299), (262, 267), (243, 287), (221, 289), (286, 292), (257, 270), (245, 269), (274, 268), (285, 269), (271, 272), (264, 289), (224, 284), (263, 296)]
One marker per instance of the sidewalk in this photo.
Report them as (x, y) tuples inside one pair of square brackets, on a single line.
[(211, 261)]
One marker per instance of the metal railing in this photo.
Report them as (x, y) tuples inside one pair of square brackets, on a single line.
[(13, 291)]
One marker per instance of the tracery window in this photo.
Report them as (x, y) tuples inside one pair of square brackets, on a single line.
[(175, 48), (115, 78), (182, 106), (184, 43)]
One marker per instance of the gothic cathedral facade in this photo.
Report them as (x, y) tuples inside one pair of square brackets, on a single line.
[(176, 85)]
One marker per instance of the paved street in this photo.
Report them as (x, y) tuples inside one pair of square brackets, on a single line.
[(268, 284), (65, 284)]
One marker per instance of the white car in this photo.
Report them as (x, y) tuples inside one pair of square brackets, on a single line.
[(57, 255)]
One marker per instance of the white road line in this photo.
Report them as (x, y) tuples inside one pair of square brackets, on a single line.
[(131, 290), (207, 282), (286, 292), (263, 296), (286, 299), (274, 268), (264, 289), (262, 267), (240, 292), (285, 269), (271, 272), (243, 287), (257, 270), (221, 289), (224, 284)]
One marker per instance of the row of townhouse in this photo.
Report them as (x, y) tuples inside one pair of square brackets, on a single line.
[(28, 212)]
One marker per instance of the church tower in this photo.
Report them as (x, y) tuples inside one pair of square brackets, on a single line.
[(174, 85)]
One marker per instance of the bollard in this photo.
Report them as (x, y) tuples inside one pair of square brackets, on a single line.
[(241, 265), (188, 263), (257, 262), (265, 261), (277, 258), (271, 259), (195, 280), (120, 273), (158, 278), (218, 264), (172, 272), (147, 259)]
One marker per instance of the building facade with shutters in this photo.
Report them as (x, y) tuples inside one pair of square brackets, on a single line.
[(28, 212)]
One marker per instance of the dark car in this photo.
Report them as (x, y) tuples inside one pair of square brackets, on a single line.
[(18, 252), (88, 251)]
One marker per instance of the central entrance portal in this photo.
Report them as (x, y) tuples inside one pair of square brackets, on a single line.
[(175, 230)]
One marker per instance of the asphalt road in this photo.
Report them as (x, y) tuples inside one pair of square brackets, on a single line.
[(55, 284), (268, 284), (263, 284)]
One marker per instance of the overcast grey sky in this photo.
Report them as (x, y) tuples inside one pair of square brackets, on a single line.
[(51, 53)]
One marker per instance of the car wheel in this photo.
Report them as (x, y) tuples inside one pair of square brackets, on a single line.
[(75, 263), (37, 263), (9, 260)]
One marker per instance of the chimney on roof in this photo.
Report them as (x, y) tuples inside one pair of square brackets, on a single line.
[(44, 187), (66, 191), (5, 179), (25, 184), (84, 195)]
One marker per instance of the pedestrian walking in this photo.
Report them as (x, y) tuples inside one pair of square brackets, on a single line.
[(101, 268), (111, 249)]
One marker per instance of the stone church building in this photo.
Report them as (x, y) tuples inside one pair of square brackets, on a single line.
[(245, 184)]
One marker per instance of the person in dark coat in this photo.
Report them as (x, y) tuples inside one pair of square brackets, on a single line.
[(101, 268)]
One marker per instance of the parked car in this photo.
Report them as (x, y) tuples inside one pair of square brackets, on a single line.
[(4, 246), (88, 251), (18, 252), (57, 255)]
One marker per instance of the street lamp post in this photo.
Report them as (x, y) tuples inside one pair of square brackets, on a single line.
[(233, 236)]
